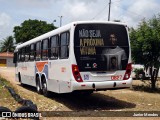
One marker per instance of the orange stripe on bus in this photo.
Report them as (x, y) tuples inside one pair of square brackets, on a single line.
[(40, 65)]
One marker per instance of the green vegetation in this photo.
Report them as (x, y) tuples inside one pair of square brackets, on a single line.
[(6, 100), (139, 73), (7, 44), (3, 89), (145, 44), (30, 29)]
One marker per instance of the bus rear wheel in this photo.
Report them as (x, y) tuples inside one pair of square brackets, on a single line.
[(44, 88), (39, 90)]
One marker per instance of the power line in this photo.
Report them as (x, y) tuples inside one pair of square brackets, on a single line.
[(102, 10), (115, 4), (130, 12), (99, 12)]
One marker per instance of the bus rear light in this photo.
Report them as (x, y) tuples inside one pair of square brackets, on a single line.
[(128, 71), (76, 73)]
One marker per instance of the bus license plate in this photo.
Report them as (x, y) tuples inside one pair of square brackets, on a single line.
[(117, 77)]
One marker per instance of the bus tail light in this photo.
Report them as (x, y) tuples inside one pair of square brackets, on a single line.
[(128, 71), (76, 73)]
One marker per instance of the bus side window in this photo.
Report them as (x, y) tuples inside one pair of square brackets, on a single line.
[(27, 52), (45, 49), (19, 55), (32, 51), (23, 55), (54, 48), (64, 45), (38, 51)]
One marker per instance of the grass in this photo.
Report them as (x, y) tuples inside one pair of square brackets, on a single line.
[(4, 92), (6, 100)]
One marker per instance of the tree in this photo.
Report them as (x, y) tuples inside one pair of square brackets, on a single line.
[(145, 44), (30, 29), (7, 44)]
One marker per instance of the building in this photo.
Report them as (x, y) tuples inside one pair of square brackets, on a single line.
[(6, 59)]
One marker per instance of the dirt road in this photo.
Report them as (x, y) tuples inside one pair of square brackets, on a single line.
[(27, 92), (118, 100)]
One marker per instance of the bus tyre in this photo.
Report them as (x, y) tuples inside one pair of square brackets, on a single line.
[(19, 77), (4, 109), (27, 109), (39, 90), (44, 88)]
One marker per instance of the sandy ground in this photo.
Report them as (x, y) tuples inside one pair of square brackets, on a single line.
[(118, 100)]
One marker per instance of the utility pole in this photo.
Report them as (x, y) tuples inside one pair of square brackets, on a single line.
[(60, 20), (109, 10)]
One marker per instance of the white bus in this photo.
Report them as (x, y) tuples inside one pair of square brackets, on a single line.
[(81, 56)]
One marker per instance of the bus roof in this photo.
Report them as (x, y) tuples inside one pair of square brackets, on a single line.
[(63, 29)]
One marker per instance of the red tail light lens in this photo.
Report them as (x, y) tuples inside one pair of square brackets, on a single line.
[(128, 72), (76, 73)]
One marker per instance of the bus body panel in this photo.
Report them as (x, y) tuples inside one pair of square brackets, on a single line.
[(60, 73), (27, 73), (102, 85)]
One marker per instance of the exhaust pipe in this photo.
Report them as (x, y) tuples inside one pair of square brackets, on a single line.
[(93, 86), (114, 85)]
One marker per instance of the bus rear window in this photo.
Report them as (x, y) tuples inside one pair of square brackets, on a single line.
[(101, 47)]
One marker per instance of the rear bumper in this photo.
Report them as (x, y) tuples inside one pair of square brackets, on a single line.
[(102, 85)]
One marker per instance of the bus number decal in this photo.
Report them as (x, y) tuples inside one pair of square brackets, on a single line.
[(117, 77), (86, 77)]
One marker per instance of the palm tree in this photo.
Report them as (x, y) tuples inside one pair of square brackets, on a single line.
[(7, 44)]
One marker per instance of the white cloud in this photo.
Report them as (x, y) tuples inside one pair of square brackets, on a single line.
[(77, 10), (138, 10), (4, 19), (33, 3), (145, 7), (5, 25)]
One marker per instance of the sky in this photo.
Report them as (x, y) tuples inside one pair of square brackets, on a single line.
[(131, 12)]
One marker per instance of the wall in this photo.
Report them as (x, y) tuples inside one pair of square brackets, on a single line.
[(9, 61)]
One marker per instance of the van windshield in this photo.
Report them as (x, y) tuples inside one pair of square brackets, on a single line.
[(101, 47)]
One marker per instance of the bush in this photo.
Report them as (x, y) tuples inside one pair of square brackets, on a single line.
[(139, 73)]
